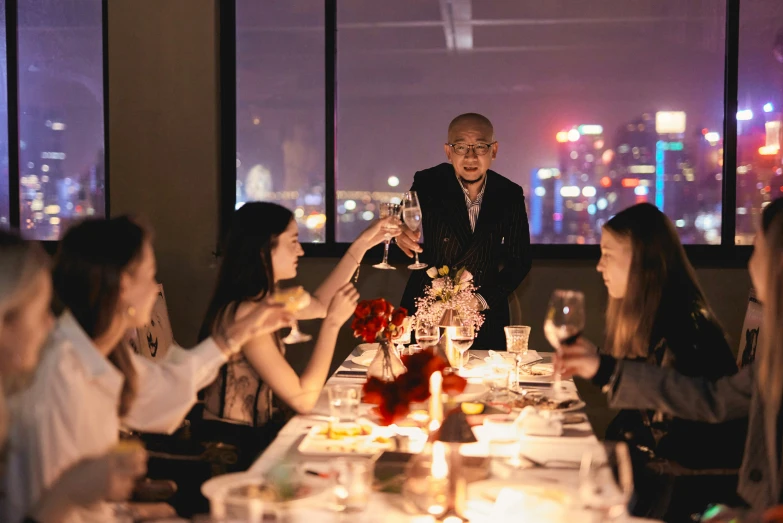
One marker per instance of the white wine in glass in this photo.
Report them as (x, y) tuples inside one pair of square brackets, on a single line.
[(386, 210), (564, 323), (427, 335), (293, 299), (411, 216)]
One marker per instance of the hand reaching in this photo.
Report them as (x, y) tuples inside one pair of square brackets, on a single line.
[(577, 359), (110, 477), (378, 230), (343, 304)]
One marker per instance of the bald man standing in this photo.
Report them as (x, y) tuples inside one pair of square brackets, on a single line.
[(475, 218)]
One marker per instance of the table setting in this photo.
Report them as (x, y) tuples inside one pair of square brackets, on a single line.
[(406, 432)]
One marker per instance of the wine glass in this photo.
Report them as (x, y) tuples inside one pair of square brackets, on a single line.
[(606, 481), (427, 335), (411, 216), (388, 209), (564, 323), (403, 336), (293, 299), (462, 338)]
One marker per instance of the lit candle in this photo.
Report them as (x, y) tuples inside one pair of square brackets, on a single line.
[(436, 405), (440, 467)]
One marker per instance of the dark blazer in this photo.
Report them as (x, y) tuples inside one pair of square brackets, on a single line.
[(638, 385), (497, 253)]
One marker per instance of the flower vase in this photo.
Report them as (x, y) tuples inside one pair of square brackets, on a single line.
[(386, 365)]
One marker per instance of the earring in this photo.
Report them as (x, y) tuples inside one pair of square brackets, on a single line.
[(131, 311)]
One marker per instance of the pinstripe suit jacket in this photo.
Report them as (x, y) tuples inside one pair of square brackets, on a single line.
[(637, 385), (497, 253)]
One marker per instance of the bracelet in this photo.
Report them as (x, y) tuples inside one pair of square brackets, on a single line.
[(358, 266)]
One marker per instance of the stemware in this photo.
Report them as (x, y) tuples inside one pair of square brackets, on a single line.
[(427, 335), (293, 299), (411, 216), (462, 339), (517, 337), (388, 209), (565, 320), (606, 481)]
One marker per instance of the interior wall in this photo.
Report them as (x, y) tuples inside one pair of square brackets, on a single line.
[(163, 131), (163, 139)]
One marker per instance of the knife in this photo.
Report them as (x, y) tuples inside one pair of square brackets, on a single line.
[(351, 373)]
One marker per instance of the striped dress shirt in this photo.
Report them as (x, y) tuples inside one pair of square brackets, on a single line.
[(474, 207)]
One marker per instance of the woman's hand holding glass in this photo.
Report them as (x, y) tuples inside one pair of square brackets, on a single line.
[(579, 358), (293, 299), (343, 305), (379, 231)]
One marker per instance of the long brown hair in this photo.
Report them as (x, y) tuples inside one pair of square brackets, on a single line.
[(662, 289), (88, 269), (770, 347)]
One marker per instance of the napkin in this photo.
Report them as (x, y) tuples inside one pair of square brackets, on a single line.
[(496, 358), (533, 423)]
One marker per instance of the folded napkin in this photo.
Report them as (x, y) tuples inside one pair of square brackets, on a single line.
[(534, 423)]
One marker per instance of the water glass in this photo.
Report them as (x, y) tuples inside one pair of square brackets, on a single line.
[(353, 479), (243, 503), (344, 401), (427, 335), (606, 481), (498, 378), (517, 337)]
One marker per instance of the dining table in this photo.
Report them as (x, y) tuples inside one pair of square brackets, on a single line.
[(384, 507)]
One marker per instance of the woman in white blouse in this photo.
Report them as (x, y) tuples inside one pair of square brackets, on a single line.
[(25, 322), (89, 383)]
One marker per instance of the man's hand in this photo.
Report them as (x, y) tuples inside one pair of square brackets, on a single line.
[(408, 241)]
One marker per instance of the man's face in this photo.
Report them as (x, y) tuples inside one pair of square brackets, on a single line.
[(471, 167)]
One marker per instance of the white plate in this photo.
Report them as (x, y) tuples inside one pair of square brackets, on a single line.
[(365, 358), (564, 396), (473, 391), (213, 486), (547, 371), (315, 441)]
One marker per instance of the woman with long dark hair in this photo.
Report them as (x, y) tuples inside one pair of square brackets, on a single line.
[(89, 383), (754, 392), (657, 313), (250, 396)]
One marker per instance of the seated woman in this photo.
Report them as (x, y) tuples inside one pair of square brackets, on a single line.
[(89, 383), (261, 250), (25, 322), (755, 391), (657, 313)]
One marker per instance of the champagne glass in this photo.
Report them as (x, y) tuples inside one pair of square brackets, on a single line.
[(606, 481), (462, 338), (564, 323), (427, 335), (388, 209), (411, 216), (293, 299)]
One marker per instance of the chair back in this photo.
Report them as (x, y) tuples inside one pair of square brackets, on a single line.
[(749, 337), (154, 339)]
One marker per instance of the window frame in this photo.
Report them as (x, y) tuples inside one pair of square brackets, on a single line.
[(727, 254), (12, 90)]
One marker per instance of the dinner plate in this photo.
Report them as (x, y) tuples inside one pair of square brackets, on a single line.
[(537, 372), (364, 439), (365, 358), (316, 485)]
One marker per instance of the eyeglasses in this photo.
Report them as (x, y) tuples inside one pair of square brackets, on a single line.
[(479, 148)]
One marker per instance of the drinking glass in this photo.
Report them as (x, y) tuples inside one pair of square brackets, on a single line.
[(517, 337), (564, 323), (497, 378), (344, 401), (411, 216), (606, 481), (404, 336), (353, 478), (294, 299), (462, 339), (386, 210), (427, 335)]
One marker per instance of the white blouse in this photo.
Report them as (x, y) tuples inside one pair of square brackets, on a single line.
[(70, 412)]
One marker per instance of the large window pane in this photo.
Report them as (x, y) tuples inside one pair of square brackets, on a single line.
[(539, 70), (280, 108), (60, 115), (4, 200), (759, 174)]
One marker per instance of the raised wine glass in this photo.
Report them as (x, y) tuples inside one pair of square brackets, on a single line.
[(564, 323), (411, 216), (388, 209), (293, 299)]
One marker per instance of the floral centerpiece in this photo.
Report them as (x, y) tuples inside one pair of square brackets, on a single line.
[(378, 321), (449, 290), (394, 398)]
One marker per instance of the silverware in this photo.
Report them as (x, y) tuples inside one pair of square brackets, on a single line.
[(552, 464), (531, 362)]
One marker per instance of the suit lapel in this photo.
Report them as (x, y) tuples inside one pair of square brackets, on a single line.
[(456, 211)]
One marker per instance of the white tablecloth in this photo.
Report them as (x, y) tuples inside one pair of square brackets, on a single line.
[(386, 508)]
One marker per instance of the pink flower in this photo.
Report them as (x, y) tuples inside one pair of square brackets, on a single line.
[(437, 285), (466, 276)]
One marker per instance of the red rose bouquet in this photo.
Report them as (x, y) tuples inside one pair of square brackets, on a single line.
[(394, 398), (377, 320)]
